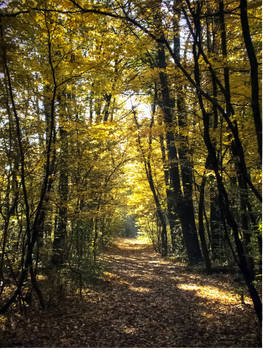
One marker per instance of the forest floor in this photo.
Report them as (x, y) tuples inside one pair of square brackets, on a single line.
[(141, 301)]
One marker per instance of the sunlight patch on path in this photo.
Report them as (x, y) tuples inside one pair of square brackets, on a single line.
[(140, 289), (132, 243), (213, 293)]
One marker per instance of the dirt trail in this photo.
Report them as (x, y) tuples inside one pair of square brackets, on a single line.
[(145, 301)]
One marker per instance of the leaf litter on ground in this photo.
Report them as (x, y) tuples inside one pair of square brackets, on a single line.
[(141, 301)]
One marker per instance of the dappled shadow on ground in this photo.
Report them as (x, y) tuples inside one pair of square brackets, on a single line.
[(145, 301)]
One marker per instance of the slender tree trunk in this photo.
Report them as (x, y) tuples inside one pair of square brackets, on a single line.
[(161, 217), (170, 207), (95, 239), (106, 110), (253, 73), (61, 229), (148, 170), (171, 211), (201, 225), (216, 225)]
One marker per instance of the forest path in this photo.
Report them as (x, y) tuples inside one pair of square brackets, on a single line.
[(144, 301)]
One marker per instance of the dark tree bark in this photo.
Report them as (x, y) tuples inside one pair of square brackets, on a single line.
[(201, 225), (148, 170), (159, 212), (61, 229), (106, 110), (169, 196), (183, 204), (216, 225), (253, 73)]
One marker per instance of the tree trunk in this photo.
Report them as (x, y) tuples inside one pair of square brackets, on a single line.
[(61, 230), (183, 205), (169, 197), (216, 226), (201, 225), (253, 73), (148, 170)]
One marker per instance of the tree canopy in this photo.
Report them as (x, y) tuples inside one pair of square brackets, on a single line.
[(119, 117)]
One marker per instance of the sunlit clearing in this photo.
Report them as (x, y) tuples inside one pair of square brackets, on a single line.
[(132, 243), (139, 289), (211, 292)]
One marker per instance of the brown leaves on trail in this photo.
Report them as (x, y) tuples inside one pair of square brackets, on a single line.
[(142, 301)]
